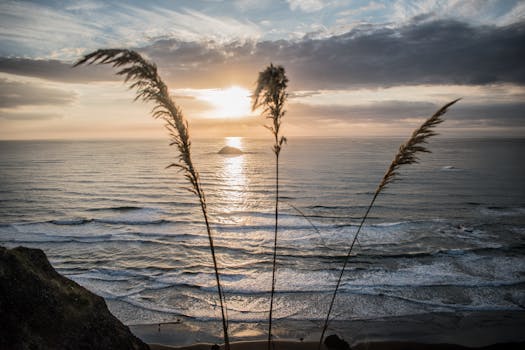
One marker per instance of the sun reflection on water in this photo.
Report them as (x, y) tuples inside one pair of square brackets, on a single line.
[(234, 178)]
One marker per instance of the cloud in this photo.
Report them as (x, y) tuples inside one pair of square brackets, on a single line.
[(42, 29), (441, 52), (56, 29), (508, 115), (396, 113), (378, 112), (84, 5), (369, 7), (438, 52), (516, 14), (252, 5), (28, 116), (36, 29), (56, 70), (306, 5), (15, 94), (471, 11)]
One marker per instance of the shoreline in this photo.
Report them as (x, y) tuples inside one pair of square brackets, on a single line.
[(445, 330), (295, 345)]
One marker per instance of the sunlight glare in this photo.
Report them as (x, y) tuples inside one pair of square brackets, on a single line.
[(234, 142), (233, 102), (234, 190)]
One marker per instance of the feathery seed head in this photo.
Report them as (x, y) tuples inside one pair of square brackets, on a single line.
[(407, 153), (143, 77), (270, 93)]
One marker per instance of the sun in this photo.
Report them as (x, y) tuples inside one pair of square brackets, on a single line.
[(234, 141), (232, 102)]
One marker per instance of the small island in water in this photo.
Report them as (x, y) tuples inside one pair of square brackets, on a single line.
[(229, 150)]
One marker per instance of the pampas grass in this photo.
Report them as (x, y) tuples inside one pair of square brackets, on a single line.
[(270, 93), (407, 154), (143, 77)]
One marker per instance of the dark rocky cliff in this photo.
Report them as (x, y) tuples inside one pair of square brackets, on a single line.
[(40, 309)]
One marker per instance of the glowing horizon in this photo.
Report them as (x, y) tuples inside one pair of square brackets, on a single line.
[(232, 102), (355, 69)]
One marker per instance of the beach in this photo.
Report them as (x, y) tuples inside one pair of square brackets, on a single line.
[(437, 331)]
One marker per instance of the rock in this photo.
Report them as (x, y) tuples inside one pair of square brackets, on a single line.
[(41, 309), (336, 343), (230, 150)]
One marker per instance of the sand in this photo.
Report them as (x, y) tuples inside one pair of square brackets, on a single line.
[(294, 345), (439, 331)]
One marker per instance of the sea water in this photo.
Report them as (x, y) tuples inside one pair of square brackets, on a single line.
[(448, 236)]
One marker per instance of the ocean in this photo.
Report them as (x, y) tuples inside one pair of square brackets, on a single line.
[(449, 236)]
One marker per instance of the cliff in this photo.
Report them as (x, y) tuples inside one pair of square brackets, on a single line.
[(41, 309)]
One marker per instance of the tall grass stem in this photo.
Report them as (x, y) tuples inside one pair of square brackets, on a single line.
[(407, 154), (270, 93), (144, 78)]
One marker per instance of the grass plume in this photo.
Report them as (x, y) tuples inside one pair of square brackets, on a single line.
[(142, 76), (270, 94), (407, 154)]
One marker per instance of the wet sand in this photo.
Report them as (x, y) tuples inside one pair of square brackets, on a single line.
[(497, 329), (294, 345)]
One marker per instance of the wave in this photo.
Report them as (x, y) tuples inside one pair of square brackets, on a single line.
[(117, 208), (106, 274), (503, 211), (393, 224), (101, 238), (70, 222), (159, 309), (450, 168), (382, 224), (362, 288), (437, 302), (454, 253), (338, 254), (111, 221), (243, 285), (46, 237), (133, 222), (299, 309)]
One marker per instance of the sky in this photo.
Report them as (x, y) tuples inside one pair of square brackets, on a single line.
[(355, 68)]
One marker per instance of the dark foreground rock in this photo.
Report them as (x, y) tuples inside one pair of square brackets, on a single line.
[(333, 342), (40, 309)]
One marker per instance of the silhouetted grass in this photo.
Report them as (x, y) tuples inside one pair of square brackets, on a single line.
[(270, 93), (407, 154), (143, 77)]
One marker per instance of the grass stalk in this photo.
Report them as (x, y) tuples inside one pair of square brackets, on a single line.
[(407, 154), (142, 76), (270, 93)]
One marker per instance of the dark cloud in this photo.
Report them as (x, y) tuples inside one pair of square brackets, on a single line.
[(439, 52), (386, 111), (428, 52), (55, 70), (505, 115), (14, 94), (28, 116), (400, 112)]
